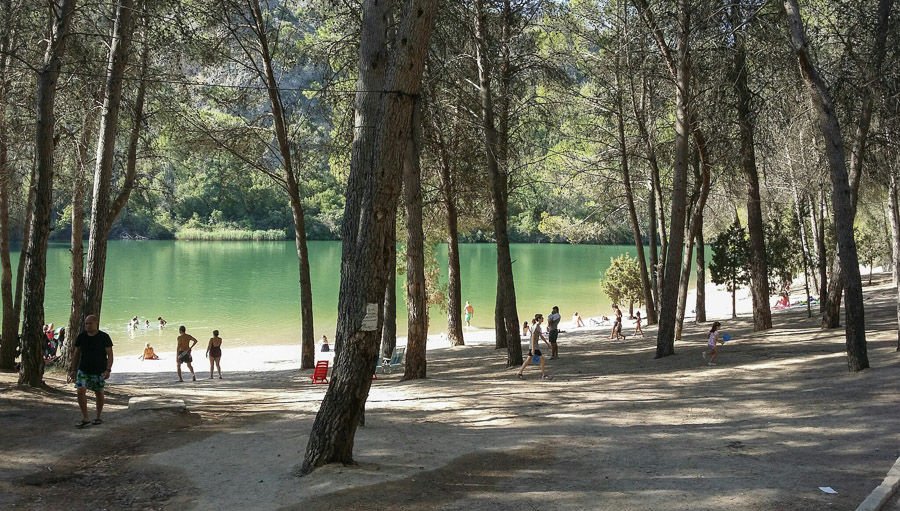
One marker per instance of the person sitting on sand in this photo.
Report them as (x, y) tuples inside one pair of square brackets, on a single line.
[(325, 348), (577, 321), (149, 354), (183, 350), (214, 353)]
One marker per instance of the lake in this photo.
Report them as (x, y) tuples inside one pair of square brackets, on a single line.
[(249, 291)]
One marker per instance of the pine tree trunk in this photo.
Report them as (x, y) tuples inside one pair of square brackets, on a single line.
[(832, 316), (506, 319), (416, 303), (654, 251), (10, 325), (389, 329), (680, 69), (644, 117), (759, 271), (76, 274), (895, 242), (36, 257), (698, 203), (629, 200), (307, 331), (857, 358), (818, 218), (381, 134), (701, 277), (454, 285), (101, 206)]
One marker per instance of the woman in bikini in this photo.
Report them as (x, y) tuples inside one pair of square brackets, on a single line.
[(214, 353)]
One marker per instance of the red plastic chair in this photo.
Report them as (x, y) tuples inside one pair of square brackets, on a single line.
[(320, 375)]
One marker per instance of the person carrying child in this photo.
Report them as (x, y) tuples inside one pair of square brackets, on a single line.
[(534, 352), (712, 349)]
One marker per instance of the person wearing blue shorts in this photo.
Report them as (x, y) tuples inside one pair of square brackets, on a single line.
[(534, 351), (93, 359)]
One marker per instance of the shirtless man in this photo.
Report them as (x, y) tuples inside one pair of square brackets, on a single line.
[(470, 311), (186, 342)]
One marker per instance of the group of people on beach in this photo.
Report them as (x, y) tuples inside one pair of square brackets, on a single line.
[(185, 343), (534, 333)]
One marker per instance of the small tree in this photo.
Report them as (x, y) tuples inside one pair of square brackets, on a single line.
[(872, 247), (622, 281), (730, 263), (783, 251)]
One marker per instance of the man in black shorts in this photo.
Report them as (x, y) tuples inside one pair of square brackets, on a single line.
[(553, 322), (94, 359)]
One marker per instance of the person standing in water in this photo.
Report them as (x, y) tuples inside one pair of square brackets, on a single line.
[(186, 343), (214, 353)]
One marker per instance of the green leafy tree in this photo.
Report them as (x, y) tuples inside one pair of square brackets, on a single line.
[(783, 252), (622, 281), (873, 247), (731, 261)]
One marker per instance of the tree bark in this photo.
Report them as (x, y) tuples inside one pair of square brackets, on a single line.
[(759, 270), (680, 69), (389, 329), (826, 118), (832, 316), (818, 217), (454, 285), (506, 318), (101, 206), (36, 256), (701, 277), (76, 273), (10, 324), (307, 332), (895, 242), (644, 117), (629, 200), (388, 80), (416, 303), (698, 203)]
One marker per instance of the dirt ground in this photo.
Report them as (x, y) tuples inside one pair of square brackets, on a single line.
[(615, 429)]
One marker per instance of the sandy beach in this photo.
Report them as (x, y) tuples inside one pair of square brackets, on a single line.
[(615, 428)]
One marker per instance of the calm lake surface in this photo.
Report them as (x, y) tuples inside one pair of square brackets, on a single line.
[(249, 291)]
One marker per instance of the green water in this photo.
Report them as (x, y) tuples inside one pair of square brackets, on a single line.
[(249, 291)]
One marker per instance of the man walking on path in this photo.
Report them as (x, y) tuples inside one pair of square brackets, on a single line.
[(470, 311), (94, 359), (184, 351), (553, 322)]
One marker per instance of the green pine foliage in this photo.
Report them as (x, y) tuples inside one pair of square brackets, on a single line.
[(622, 280), (730, 263)]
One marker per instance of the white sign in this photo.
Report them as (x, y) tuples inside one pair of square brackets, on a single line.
[(370, 321)]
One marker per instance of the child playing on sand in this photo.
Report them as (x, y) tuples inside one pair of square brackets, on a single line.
[(713, 351), (637, 324)]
